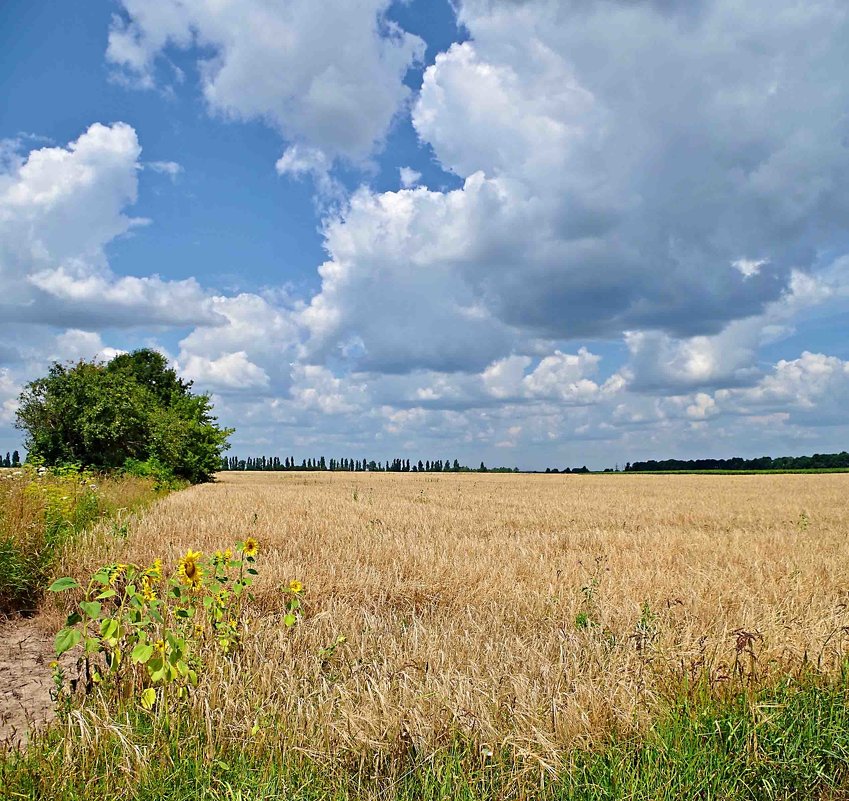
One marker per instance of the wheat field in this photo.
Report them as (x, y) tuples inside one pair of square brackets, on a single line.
[(531, 612)]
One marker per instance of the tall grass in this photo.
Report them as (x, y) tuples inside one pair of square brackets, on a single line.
[(789, 741), (42, 512)]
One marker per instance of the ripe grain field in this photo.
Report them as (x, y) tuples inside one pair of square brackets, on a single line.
[(459, 595), (529, 615)]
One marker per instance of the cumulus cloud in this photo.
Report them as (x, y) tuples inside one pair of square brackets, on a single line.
[(73, 345), (316, 388), (812, 389), (229, 371), (599, 199), (392, 284), (9, 391), (327, 75), (564, 376), (59, 208), (251, 348)]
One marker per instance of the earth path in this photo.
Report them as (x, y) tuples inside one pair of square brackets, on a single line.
[(26, 651)]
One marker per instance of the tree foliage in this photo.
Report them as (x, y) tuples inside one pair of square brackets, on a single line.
[(819, 461), (134, 408)]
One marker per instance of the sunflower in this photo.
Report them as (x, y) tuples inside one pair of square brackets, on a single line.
[(116, 572), (295, 586), (148, 591), (190, 571), (155, 570), (251, 547)]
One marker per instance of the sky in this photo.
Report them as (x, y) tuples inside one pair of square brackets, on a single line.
[(526, 232)]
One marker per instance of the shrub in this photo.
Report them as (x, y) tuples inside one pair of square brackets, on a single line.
[(134, 408)]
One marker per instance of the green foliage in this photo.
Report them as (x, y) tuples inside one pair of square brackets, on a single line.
[(39, 514), (140, 632), (135, 409), (163, 477)]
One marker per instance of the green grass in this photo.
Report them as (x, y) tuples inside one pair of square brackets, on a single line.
[(788, 742)]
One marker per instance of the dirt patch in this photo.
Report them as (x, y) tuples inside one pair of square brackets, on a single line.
[(26, 651)]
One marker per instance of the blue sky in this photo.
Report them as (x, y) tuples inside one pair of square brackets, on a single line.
[(536, 233)]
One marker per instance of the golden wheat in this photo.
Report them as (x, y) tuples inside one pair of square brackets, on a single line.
[(531, 611)]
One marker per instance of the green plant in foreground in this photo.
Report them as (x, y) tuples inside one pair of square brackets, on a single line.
[(141, 632)]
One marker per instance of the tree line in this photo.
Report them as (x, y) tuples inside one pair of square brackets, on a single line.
[(819, 461), (11, 460), (358, 465)]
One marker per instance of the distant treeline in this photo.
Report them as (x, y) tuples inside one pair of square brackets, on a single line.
[(11, 460), (358, 465), (819, 461)]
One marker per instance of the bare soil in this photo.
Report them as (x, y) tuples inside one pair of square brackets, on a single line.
[(26, 651)]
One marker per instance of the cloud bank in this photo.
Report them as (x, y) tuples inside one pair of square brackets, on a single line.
[(651, 197)]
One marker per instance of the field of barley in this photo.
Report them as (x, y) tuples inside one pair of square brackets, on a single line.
[(529, 610)]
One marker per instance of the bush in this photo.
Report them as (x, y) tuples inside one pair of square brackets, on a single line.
[(132, 409), (163, 477)]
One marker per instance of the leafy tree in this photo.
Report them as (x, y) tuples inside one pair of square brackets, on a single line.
[(133, 409)]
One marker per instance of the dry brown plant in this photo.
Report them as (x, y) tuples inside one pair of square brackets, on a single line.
[(537, 612)]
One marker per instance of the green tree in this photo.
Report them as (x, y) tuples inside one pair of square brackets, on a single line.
[(135, 408)]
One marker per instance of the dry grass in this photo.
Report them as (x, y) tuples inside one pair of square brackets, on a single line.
[(459, 594)]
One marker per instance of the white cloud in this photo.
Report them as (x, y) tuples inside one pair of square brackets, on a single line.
[(327, 75), (661, 362), (59, 208), (73, 345), (9, 391), (170, 168), (598, 200), (391, 282), (230, 371), (563, 376), (106, 299), (503, 378), (749, 267), (813, 388), (409, 177), (316, 388)]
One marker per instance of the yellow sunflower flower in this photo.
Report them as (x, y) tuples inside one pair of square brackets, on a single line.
[(251, 547), (148, 591), (190, 571), (116, 572), (295, 586)]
